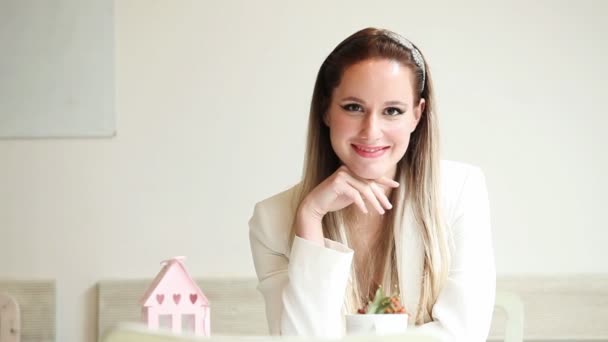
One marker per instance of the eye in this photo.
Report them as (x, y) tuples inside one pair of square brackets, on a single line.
[(393, 111), (352, 107)]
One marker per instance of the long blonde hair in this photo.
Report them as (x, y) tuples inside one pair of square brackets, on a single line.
[(417, 171)]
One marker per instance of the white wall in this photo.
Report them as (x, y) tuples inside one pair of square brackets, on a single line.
[(212, 101)]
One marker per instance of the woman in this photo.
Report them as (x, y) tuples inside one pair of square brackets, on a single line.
[(376, 206)]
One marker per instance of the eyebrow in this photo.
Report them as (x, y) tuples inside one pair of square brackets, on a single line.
[(388, 103)]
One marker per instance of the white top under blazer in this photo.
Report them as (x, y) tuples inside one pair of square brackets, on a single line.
[(304, 284)]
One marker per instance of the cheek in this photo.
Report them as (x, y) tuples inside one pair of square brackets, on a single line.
[(342, 127), (399, 132), (400, 137)]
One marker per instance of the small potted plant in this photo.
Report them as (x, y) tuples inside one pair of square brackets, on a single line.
[(381, 316)]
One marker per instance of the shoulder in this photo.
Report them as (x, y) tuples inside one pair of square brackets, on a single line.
[(280, 204), (272, 219), (457, 179), (454, 173)]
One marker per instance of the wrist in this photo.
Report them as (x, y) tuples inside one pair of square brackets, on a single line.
[(309, 213), (309, 224)]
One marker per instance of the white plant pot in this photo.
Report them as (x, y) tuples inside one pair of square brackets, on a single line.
[(376, 324)]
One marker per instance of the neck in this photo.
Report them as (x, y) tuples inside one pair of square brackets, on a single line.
[(365, 228)]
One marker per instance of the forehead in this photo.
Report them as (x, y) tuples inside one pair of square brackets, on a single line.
[(376, 80)]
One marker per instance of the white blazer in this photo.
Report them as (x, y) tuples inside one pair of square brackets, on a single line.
[(304, 284)]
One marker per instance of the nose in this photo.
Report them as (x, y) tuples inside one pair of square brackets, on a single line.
[(371, 129)]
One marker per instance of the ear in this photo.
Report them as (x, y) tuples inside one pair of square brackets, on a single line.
[(326, 119), (418, 110)]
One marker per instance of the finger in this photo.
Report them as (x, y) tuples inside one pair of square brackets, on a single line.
[(367, 193), (387, 182), (353, 194), (380, 195), (343, 180), (374, 194)]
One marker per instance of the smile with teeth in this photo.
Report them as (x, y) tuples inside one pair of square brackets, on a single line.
[(369, 151), (375, 149)]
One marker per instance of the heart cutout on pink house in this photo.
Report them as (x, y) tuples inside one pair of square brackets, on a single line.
[(176, 298), (193, 298), (160, 298)]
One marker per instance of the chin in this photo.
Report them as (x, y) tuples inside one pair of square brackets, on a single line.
[(368, 172)]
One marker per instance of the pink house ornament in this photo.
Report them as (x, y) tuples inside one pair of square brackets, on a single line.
[(174, 295)]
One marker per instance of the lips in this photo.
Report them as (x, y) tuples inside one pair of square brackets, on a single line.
[(369, 151)]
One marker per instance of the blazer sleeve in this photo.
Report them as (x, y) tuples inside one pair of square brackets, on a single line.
[(304, 292), (463, 311)]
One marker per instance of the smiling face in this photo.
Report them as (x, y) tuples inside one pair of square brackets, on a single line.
[(371, 116)]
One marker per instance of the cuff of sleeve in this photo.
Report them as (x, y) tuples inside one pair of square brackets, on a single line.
[(334, 256), (337, 246), (314, 296)]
